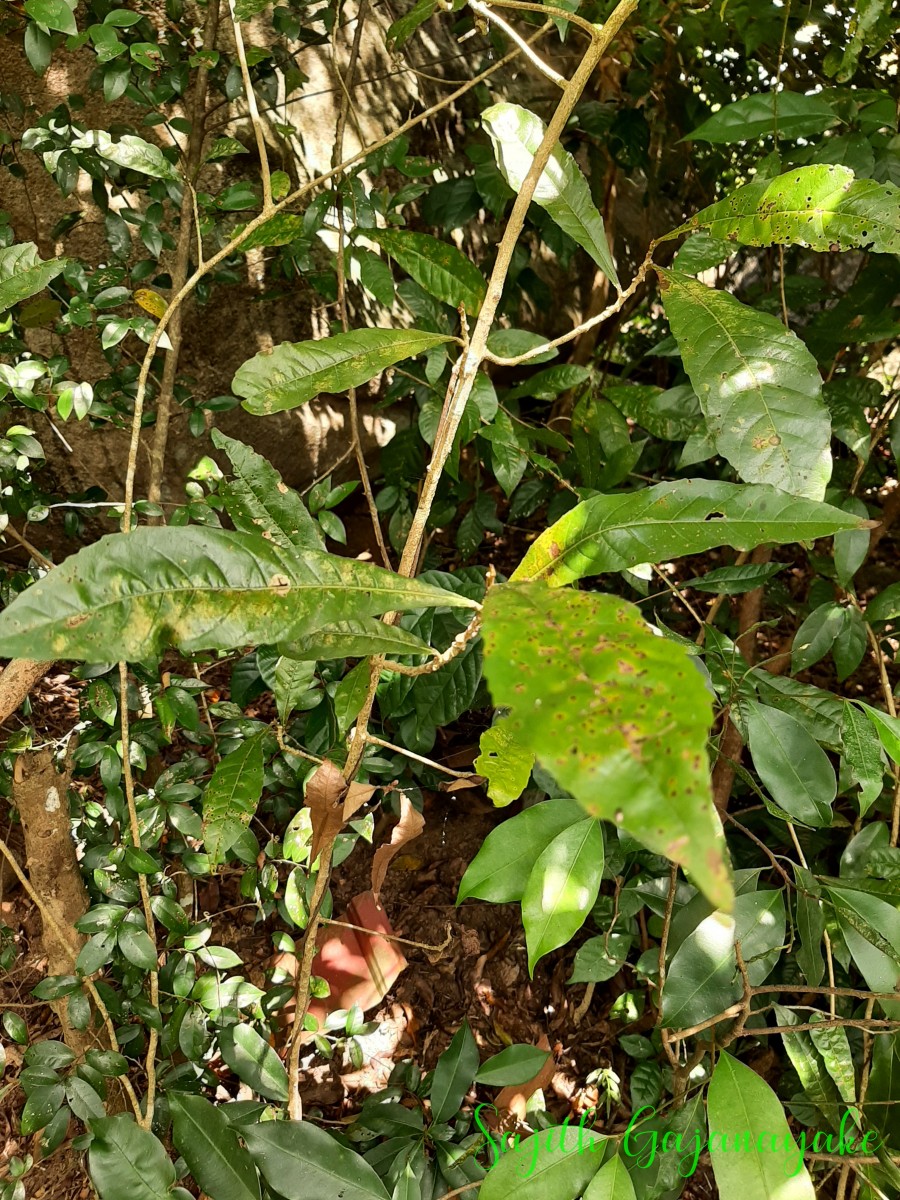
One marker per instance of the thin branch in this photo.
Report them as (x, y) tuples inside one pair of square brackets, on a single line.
[(254, 114), (427, 762), (533, 57)]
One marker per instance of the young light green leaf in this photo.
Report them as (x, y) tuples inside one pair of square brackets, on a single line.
[(442, 270), (668, 520), (295, 372), (130, 595), (562, 888), (505, 763), (555, 1164), (128, 1163), (512, 1066), (831, 1042), (758, 385), (814, 1078), (791, 113), (742, 1105), (231, 797), (254, 1061), (298, 1160), (454, 1074), (210, 1147), (824, 207), (500, 869), (562, 190), (22, 273), (792, 765), (612, 1182), (590, 686), (259, 502)]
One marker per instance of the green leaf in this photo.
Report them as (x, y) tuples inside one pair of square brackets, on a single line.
[(824, 207), (512, 1066), (454, 1074), (770, 1166), (137, 947), (869, 916), (41, 1107), (280, 230), (702, 977), (254, 1062), (810, 927), (562, 190), (555, 1164), (505, 763), (508, 458), (225, 147), (259, 502), (355, 639), (231, 797), (126, 1162), (831, 1042), (591, 689), (55, 14), (130, 595), (758, 385), (245, 10), (210, 1147), (672, 415), (792, 765), (441, 269), (300, 1160), (887, 728), (862, 753), (734, 581), (600, 958), (814, 1078), (130, 152), (84, 1101), (792, 114), (22, 273), (669, 520), (816, 635), (499, 871), (612, 1182), (562, 888), (295, 372), (405, 26)]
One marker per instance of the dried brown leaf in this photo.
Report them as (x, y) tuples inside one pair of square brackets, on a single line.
[(409, 826)]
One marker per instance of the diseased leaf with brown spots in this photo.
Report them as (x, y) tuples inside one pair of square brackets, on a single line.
[(617, 715), (131, 594)]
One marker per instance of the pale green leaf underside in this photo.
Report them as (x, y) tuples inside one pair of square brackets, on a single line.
[(758, 385), (129, 596), (438, 267), (562, 189), (295, 372), (618, 716), (824, 207), (668, 520), (22, 273)]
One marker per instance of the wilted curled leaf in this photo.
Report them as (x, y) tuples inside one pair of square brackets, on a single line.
[(408, 828), (325, 793)]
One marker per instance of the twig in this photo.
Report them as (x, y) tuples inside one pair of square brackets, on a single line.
[(533, 57), (428, 762), (32, 550), (254, 114), (393, 937), (182, 261)]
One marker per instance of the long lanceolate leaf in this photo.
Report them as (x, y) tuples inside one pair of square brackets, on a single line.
[(617, 715), (758, 385), (436, 266), (824, 207), (689, 516), (562, 190), (295, 372), (130, 595)]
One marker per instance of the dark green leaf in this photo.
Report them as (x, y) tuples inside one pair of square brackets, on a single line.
[(454, 1074), (792, 765), (299, 1160), (791, 113), (209, 1146), (128, 1163), (254, 1061)]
